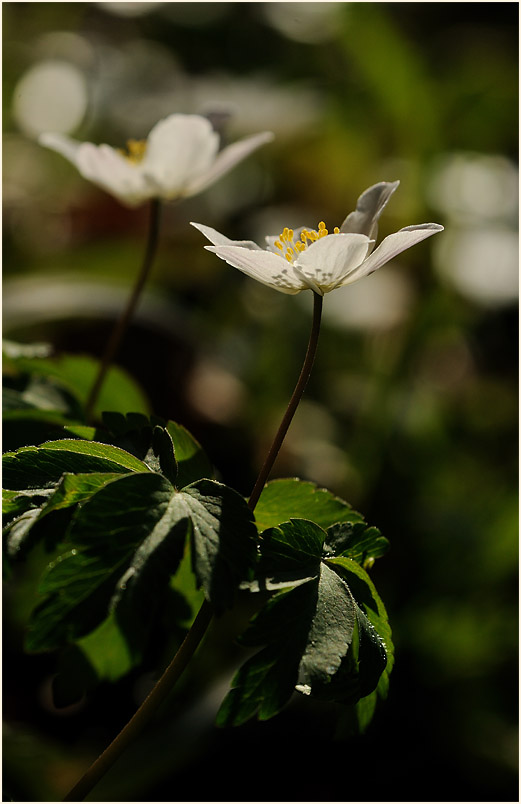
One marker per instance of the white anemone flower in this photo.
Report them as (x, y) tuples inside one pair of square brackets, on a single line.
[(179, 158), (314, 259)]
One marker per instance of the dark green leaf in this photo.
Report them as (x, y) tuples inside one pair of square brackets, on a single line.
[(134, 433), (368, 599), (290, 555), (42, 467), (356, 541), (127, 540), (70, 490), (15, 503), (105, 533), (325, 637), (312, 633), (223, 535)]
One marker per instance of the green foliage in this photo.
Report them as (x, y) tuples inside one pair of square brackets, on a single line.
[(290, 497), (125, 535), (325, 634), (60, 385), (125, 501)]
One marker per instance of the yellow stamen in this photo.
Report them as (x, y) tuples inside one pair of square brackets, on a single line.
[(135, 151), (307, 236)]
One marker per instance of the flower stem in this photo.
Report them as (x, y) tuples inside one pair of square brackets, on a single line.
[(203, 618), (122, 324), (292, 404)]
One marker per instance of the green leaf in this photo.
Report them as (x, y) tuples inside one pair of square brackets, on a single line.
[(134, 433), (326, 636), (15, 502), (290, 555), (127, 540), (223, 537), (71, 490), (42, 467), (290, 498), (356, 541), (107, 650), (369, 600), (193, 463), (39, 396), (102, 655), (104, 535), (313, 634), (77, 373)]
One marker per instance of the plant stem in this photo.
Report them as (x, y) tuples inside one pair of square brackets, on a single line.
[(142, 716), (293, 402), (204, 616), (122, 324)]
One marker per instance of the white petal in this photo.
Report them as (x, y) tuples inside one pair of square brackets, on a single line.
[(391, 246), (265, 267), (180, 149), (226, 160), (327, 261), (111, 171), (103, 166), (61, 144), (369, 207), (219, 239)]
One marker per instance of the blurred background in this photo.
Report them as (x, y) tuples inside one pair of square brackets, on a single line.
[(411, 413)]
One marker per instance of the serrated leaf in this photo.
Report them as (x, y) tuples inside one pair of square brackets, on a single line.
[(133, 432), (104, 533), (356, 541), (42, 467), (369, 600), (71, 490), (313, 634), (127, 540), (322, 637), (290, 498), (223, 537), (290, 555)]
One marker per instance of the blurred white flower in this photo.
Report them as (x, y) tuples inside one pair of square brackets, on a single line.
[(180, 158), (319, 261)]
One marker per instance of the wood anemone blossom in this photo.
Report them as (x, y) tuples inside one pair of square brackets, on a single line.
[(316, 259), (179, 158)]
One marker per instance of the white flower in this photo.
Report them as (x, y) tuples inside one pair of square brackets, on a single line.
[(179, 158), (314, 259)]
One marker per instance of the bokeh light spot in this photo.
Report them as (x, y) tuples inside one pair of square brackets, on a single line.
[(51, 96)]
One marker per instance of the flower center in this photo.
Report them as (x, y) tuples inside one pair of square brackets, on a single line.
[(135, 151), (290, 248)]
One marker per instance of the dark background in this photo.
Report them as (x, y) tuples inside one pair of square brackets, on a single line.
[(411, 413)]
